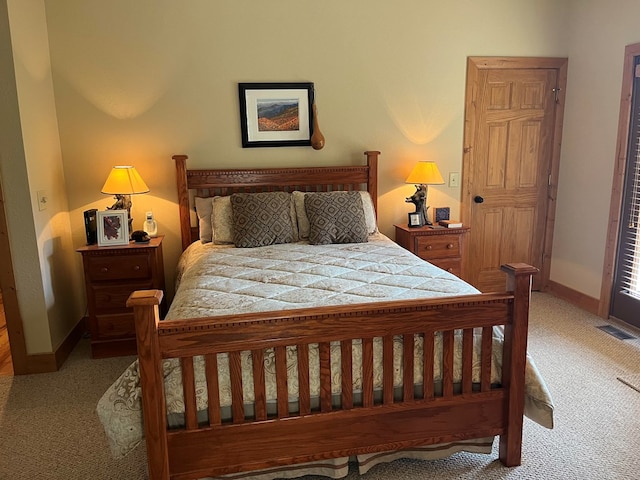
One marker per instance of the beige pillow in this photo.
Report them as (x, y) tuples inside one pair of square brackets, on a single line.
[(335, 217), (222, 220), (204, 207), (303, 220)]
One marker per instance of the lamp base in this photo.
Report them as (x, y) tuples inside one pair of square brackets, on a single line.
[(123, 202), (419, 199)]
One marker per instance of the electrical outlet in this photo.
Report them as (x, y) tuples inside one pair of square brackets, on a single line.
[(454, 179), (42, 200)]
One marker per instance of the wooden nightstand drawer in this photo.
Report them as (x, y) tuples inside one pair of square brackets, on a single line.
[(451, 266), (115, 326), (438, 246), (131, 267), (114, 297)]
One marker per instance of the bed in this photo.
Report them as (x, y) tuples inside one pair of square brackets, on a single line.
[(291, 358)]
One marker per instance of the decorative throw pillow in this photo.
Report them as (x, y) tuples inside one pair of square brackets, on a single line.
[(204, 206), (335, 217), (222, 220), (261, 219), (303, 220)]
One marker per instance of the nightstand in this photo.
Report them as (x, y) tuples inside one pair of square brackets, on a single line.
[(444, 247), (111, 274)]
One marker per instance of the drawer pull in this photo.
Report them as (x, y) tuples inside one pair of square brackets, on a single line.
[(450, 246), (450, 270), (429, 247), (136, 267), (104, 269)]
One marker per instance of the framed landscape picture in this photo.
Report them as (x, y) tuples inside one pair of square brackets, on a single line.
[(275, 114), (113, 228)]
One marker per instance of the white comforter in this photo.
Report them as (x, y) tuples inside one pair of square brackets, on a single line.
[(216, 279)]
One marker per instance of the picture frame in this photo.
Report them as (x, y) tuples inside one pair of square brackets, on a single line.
[(415, 220), (440, 213), (113, 228), (276, 114)]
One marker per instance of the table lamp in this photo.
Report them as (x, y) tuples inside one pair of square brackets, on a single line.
[(124, 181), (423, 174)]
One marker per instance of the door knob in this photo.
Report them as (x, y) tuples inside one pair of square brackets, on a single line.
[(478, 199)]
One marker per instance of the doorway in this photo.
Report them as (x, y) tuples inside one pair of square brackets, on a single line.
[(620, 293), (513, 124), (6, 364), (13, 351)]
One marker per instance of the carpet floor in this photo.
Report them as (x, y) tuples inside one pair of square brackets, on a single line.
[(49, 429)]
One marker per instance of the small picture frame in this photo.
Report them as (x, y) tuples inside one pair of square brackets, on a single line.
[(440, 213), (415, 220), (113, 228)]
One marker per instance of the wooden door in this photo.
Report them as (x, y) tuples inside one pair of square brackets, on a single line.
[(513, 122)]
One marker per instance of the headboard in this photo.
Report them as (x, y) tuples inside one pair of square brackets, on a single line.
[(208, 183)]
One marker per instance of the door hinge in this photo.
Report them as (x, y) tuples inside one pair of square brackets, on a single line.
[(556, 92)]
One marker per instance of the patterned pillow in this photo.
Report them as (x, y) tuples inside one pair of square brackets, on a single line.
[(261, 219), (335, 217), (303, 220)]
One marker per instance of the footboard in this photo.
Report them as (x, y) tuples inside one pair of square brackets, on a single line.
[(382, 414)]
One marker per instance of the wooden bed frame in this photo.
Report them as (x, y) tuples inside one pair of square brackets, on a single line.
[(264, 441)]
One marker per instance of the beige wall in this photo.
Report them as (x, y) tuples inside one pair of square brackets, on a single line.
[(44, 261), (17, 202), (598, 33), (138, 81)]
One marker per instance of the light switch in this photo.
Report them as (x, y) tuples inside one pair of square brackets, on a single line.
[(42, 200), (454, 179)]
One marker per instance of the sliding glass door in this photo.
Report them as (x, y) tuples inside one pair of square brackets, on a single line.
[(625, 300)]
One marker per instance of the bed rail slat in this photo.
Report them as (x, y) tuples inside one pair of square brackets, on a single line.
[(189, 393), (304, 395), (324, 350), (367, 372), (346, 362), (237, 397), (428, 352), (213, 388), (447, 363), (259, 388), (467, 360), (282, 390), (485, 359), (387, 369), (407, 367)]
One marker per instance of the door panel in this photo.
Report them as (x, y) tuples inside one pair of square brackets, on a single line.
[(625, 294), (510, 124)]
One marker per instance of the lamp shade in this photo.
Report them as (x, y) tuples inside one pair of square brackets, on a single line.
[(425, 173), (124, 180)]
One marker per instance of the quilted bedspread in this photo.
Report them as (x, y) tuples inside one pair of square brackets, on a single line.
[(221, 279)]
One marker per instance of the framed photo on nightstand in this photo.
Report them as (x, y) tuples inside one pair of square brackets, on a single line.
[(113, 228), (415, 220), (440, 213)]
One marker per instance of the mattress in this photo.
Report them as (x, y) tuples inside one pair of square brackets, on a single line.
[(222, 280)]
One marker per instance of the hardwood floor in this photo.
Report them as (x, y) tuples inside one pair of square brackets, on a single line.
[(6, 367)]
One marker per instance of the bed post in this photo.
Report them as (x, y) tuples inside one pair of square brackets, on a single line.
[(146, 317), (519, 276), (183, 199), (372, 178)]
